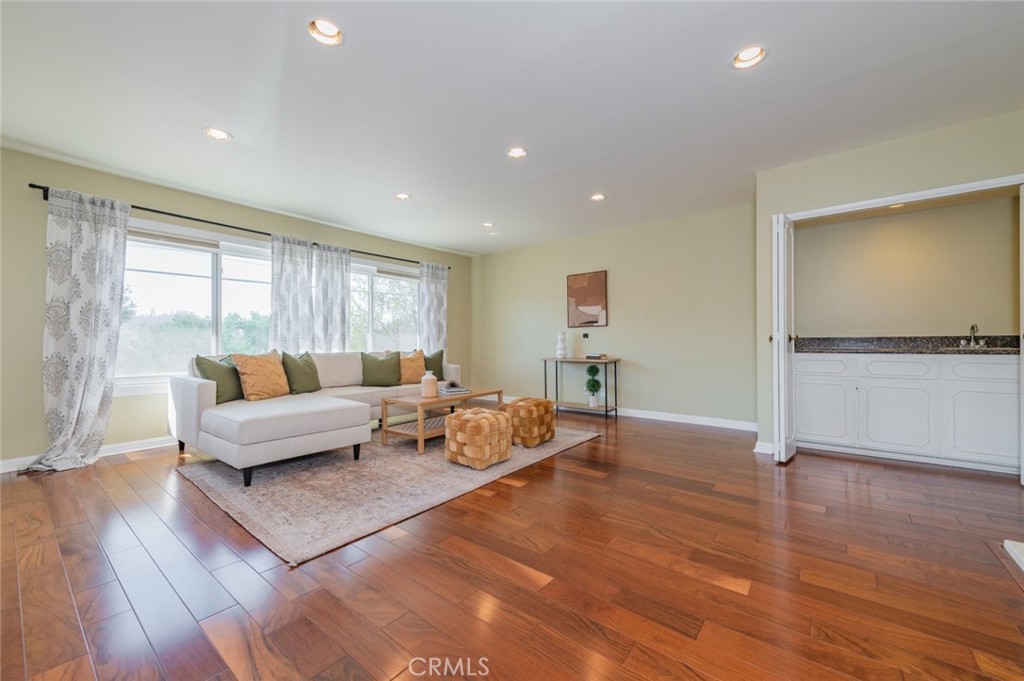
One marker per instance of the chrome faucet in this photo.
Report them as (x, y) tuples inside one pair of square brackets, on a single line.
[(973, 342)]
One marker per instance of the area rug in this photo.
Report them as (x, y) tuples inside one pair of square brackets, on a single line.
[(305, 507)]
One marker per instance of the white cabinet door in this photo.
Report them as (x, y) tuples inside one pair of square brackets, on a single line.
[(898, 415), (980, 422), (826, 409)]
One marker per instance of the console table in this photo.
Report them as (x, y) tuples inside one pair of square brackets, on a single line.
[(612, 408)]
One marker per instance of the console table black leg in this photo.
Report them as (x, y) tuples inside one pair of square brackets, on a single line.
[(181, 446), (615, 370), (606, 391), (247, 476)]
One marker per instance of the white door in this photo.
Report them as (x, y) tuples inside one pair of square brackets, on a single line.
[(1020, 267), (783, 339)]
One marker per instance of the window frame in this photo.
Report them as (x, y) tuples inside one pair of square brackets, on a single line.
[(215, 243), (373, 269)]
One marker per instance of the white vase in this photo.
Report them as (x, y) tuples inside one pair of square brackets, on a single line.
[(428, 385), (593, 399), (560, 351)]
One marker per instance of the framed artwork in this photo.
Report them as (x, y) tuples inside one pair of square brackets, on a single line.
[(588, 299)]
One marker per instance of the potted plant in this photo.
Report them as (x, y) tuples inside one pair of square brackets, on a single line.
[(593, 386)]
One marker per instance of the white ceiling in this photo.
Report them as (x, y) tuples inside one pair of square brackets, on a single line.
[(638, 101)]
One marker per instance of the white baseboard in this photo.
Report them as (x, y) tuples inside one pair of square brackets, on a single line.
[(762, 447), (712, 421), (905, 456), (1016, 551), (11, 465)]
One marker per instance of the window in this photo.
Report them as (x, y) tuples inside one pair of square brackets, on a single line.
[(183, 299), (383, 310)]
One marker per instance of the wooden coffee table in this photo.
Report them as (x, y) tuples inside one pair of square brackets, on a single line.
[(424, 427)]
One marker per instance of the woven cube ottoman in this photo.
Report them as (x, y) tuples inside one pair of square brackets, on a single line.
[(533, 420), (477, 437)]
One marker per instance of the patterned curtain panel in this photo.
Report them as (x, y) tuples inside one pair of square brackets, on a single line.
[(433, 322), (309, 286), (291, 289), (330, 301), (85, 255)]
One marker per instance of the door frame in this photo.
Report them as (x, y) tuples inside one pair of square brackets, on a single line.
[(782, 298)]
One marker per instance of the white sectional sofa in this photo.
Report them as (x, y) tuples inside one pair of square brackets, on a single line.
[(244, 434)]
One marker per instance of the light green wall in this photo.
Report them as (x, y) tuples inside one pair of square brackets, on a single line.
[(680, 314), (924, 273), (982, 149), (23, 286)]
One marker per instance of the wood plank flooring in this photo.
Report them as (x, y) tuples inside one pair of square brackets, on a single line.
[(657, 551)]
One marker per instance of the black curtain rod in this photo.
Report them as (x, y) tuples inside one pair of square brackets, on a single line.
[(46, 197)]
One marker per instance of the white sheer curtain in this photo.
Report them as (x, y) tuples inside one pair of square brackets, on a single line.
[(330, 302), (85, 254), (291, 294), (433, 319), (309, 295)]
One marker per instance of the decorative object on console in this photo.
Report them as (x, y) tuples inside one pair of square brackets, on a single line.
[(592, 386), (428, 385), (597, 355), (588, 299), (560, 350)]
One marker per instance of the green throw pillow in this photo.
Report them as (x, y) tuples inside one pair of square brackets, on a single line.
[(224, 374), (435, 363), (301, 372), (386, 371)]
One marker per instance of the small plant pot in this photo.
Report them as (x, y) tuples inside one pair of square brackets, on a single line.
[(593, 399)]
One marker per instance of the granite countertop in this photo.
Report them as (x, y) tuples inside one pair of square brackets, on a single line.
[(920, 345)]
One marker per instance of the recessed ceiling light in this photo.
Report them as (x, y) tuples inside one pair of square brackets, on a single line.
[(749, 56), (517, 152), (598, 197), (403, 197), (217, 134), (493, 233), (488, 225), (897, 205), (325, 31)]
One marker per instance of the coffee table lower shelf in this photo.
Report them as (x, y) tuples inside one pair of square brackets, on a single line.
[(432, 427)]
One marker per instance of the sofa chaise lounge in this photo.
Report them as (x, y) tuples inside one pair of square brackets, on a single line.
[(244, 434)]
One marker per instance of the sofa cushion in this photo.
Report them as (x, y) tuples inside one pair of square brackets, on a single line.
[(301, 372), (224, 374), (371, 395), (435, 363), (413, 367), (338, 368), (262, 376), (244, 423), (385, 371)]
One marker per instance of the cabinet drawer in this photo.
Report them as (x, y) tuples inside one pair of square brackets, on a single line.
[(821, 364), (981, 368), (898, 366)]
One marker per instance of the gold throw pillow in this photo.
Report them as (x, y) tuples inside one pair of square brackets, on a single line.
[(262, 376), (413, 367)]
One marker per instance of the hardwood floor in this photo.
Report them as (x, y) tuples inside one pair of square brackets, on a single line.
[(657, 551)]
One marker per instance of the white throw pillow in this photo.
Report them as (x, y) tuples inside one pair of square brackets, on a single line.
[(338, 369)]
